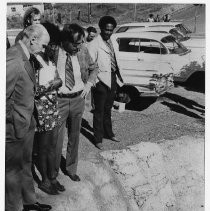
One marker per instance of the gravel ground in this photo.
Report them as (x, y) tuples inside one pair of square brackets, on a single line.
[(177, 113), (176, 121)]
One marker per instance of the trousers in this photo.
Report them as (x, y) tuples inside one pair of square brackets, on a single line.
[(71, 111), (46, 142), (19, 186), (103, 98)]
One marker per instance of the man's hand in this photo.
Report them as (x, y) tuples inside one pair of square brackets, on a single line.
[(86, 89), (54, 84)]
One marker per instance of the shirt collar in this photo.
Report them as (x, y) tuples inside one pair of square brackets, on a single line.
[(24, 49)]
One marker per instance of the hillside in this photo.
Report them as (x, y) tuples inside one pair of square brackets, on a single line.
[(122, 12)]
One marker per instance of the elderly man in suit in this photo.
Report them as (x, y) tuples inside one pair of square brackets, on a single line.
[(20, 123), (103, 50), (78, 73)]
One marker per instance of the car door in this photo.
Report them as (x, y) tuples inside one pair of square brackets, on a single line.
[(140, 59), (133, 69), (154, 56)]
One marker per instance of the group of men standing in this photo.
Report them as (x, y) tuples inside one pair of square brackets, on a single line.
[(81, 69)]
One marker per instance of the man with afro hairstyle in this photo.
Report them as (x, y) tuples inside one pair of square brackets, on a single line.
[(103, 50)]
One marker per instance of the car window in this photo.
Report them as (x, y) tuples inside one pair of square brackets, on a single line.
[(158, 31), (174, 46), (125, 28), (152, 47), (160, 25), (122, 29), (129, 44)]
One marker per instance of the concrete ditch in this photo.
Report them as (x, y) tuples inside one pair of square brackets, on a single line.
[(168, 175)]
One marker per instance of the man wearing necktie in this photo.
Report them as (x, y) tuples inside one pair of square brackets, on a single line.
[(103, 50), (20, 122), (78, 73)]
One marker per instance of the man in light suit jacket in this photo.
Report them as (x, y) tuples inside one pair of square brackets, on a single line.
[(103, 50), (20, 123)]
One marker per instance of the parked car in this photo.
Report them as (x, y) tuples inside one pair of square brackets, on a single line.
[(184, 38), (149, 61), (179, 25)]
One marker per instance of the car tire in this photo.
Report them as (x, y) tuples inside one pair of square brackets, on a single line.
[(127, 94)]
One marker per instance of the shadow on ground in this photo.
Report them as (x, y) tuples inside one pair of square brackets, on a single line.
[(192, 87), (181, 105), (195, 83), (140, 103), (87, 130)]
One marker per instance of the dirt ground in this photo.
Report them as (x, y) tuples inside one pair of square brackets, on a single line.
[(178, 113)]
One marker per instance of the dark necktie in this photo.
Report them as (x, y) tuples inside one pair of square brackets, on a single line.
[(69, 75), (112, 57), (34, 62), (31, 59)]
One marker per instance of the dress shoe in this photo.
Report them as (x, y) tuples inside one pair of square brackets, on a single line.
[(99, 146), (58, 186), (48, 188), (74, 177), (114, 139), (37, 206)]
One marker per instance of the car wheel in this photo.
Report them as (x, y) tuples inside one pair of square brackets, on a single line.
[(126, 94)]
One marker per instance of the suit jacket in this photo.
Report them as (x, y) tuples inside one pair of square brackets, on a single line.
[(20, 91), (99, 52), (88, 68), (19, 36)]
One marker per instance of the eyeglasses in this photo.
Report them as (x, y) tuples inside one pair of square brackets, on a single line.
[(44, 46), (77, 44), (36, 19)]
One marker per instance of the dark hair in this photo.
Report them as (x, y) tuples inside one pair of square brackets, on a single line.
[(151, 15), (54, 32), (28, 15), (91, 29), (69, 30), (107, 20)]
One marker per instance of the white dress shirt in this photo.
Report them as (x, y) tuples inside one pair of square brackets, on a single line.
[(79, 85)]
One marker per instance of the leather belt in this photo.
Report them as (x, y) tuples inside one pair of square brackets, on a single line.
[(70, 95)]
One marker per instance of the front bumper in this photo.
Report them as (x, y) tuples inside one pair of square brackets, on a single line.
[(162, 83), (158, 85)]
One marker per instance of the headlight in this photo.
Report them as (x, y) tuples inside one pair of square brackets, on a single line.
[(161, 82)]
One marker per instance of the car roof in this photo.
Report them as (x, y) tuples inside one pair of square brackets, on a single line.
[(158, 28), (146, 35), (151, 24)]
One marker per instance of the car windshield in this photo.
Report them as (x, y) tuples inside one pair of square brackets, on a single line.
[(174, 46), (179, 35), (183, 29)]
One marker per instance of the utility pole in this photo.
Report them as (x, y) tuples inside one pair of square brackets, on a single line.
[(70, 19), (196, 6), (89, 12), (134, 13), (53, 4)]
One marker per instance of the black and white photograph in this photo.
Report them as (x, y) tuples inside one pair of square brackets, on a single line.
[(105, 106)]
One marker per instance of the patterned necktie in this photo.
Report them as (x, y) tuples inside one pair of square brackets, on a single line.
[(112, 56), (69, 75)]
